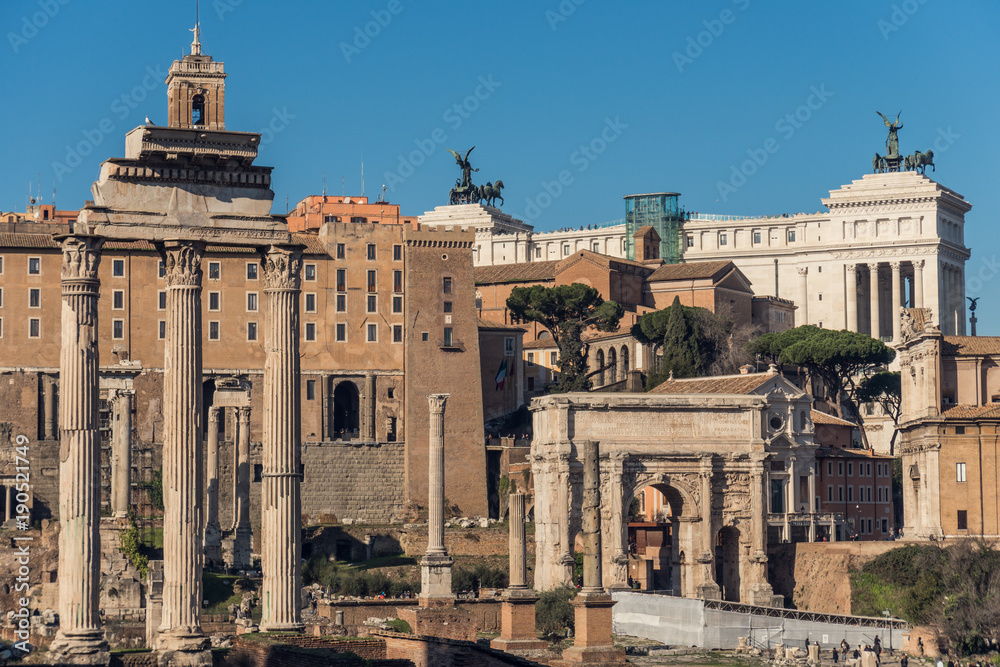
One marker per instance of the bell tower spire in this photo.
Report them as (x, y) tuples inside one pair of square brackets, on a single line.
[(196, 88), (196, 44)]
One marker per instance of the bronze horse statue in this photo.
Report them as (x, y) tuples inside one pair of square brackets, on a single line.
[(919, 162), (490, 192)]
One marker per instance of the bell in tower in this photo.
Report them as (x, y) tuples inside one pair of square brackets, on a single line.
[(196, 90)]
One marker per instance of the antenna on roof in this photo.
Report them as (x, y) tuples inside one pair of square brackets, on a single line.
[(324, 184), (196, 44), (362, 174), (342, 193)]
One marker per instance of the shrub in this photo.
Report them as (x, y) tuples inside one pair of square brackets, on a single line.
[(553, 612), (399, 625)]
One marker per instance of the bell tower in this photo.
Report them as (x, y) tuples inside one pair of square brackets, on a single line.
[(196, 90)]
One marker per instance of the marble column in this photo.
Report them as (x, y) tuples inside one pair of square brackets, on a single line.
[(10, 499), (242, 538), (897, 321), (812, 503), (80, 639), (121, 470), (873, 301), (590, 519), (803, 301), (369, 407), (708, 588), (918, 283), (281, 504), (960, 298), (435, 567), (851, 271), (181, 639), (213, 531), (517, 544), (49, 400), (565, 496), (761, 592)]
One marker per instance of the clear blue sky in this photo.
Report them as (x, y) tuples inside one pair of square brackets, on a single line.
[(667, 96)]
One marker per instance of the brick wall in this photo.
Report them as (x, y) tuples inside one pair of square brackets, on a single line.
[(298, 651), (485, 614), (437, 652), (353, 480)]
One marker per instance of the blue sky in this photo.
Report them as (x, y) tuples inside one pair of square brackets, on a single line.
[(610, 98)]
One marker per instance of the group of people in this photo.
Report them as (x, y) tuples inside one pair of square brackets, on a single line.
[(875, 647)]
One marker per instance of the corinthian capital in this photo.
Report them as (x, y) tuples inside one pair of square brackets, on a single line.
[(182, 262), (81, 256), (282, 267), (436, 402), (802, 270)]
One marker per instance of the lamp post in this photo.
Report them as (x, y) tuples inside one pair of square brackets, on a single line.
[(888, 630)]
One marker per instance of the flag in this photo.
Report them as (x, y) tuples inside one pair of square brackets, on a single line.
[(501, 374)]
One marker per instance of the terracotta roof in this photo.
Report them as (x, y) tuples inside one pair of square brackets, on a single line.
[(19, 240), (541, 343), (497, 326), (22, 240), (604, 335), (723, 384), (849, 453), (823, 418), (530, 272), (691, 271), (991, 411), (972, 346), (312, 243)]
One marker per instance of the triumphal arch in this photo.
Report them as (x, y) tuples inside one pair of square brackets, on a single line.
[(710, 455)]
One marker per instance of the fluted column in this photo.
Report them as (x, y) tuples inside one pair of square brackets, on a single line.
[(517, 544), (213, 531), (243, 469), (49, 399), (761, 592), (565, 497), (803, 301), (435, 566), (852, 296), (918, 283), (897, 321), (181, 640), (281, 538), (590, 519), (709, 588), (121, 468), (873, 301), (80, 639)]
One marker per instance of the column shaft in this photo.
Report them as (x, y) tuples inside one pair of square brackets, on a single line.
[(593, 580), (873, 301), (852, 296), (122, 469), (80, 639), (803, 302), (435, 477), (518, 546), (281, 538), (49, 397), (213, 531), (897, 321), (180, 626), (243, 469), (918, 283)]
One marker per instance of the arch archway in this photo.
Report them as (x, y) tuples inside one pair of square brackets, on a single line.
[(727, 563), (612, 366), (653, 534), (600, 368), (346, 411), (624, 361)]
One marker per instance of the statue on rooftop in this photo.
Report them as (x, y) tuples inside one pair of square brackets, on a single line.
[(892, 141), (466, 167)]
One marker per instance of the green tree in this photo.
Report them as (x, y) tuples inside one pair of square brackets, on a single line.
[(884, 388), (567, 311), (680, 344)]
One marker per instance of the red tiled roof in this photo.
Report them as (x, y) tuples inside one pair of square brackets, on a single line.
[(530, 272), (724, 384), (540, 344), (27, 240), (991, 411), (823, 418), (970, 346), (691, 271), (496, 326), (20, 240)]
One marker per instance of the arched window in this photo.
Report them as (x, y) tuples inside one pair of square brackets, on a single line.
[(198, 110), (600, 368), (624, 361), (345, 411), (612, 366)]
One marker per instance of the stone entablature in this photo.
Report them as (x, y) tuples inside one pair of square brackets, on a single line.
[(708, 454)]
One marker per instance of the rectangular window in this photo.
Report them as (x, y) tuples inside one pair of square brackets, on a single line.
[(850, 493), (397, 281), (397, 253), (118, 329), (756, 237), (372, 305), (840, 493), (829, 468), (372, 333), (341, 280), (553, 357), (214, 270), (538, 252), (447, 306), (341, 303), (310, 302), (118, 299), (252, 270), (791, 236), (310, 331), (879, 494), (959, 472), (341, 332), (690, 242), (565, 250), (341, 253), (820, 296), (34, 328), (777, 496), (34, 266), (34, 298), (372, 280), (310, 272), (251, 331), (508, 346), (215, 300), (1, 297), (397, 333), (251, 302), (1, 265), (118, 268), (162, 334), (161, 300), (723, 239), (531, 359), (371, 251), (213, 330), (596, 247), (425, 336), (829, 493), (840, 468), (963, 520), (161, 269), (446, 286), (397, 304), (449, 337), (850, 469), (310, 390)]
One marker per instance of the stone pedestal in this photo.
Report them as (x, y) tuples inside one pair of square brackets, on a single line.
[(281, 507), (181, 640), (80, 640), (592, 641), (517, 623), (448, 622)]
